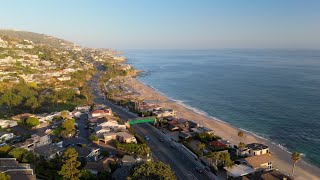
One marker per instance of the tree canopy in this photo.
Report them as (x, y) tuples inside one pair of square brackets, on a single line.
[(152, 170)]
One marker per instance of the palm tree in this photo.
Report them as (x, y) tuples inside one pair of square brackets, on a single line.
[(295, 156), (201, 146), (240, 134), (214, 156), (241, 145)]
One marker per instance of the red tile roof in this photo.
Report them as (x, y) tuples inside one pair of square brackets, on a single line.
[(218, 144)]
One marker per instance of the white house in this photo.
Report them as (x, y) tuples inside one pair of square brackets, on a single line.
[(112, 125), (4, 136), (7, 123)]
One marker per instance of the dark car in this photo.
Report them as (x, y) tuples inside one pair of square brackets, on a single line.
[(161, 140), (199, 169)]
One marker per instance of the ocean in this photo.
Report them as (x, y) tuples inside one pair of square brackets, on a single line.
[(274, 94)]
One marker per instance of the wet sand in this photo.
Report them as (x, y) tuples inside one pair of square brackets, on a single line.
[(282, 161)]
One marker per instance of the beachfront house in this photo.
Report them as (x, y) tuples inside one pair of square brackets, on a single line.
[(260, 163), (164, 113), (256, 149), (237, 171)]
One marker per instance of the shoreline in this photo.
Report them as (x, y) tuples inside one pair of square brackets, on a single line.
[(227, 131)]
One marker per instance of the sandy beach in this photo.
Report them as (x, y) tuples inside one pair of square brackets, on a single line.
[(282, 161)]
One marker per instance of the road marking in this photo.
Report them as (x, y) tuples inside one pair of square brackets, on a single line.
[(192, 175)]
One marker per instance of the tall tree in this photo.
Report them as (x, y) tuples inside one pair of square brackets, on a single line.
[(295, 157), (69, 169)]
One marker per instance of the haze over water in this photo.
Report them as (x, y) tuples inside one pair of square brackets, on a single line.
[(273, 93)]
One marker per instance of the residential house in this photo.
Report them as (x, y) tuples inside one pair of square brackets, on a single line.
[(83, 108), (128, 160), (21, 117), (218, 144), (237, 171), (48, 152), (16, 170), (100, 130), (4, 136), (126, 137), (202, 129), (256, 149), (185, 135), (100, 113), (36, 140), (260, 163), (269, 175), (88, 153), (164, 113), (108, 137), (101, 166), (112, 125), (7, 123)]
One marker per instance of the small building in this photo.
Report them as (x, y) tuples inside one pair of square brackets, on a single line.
[(260, 163), (48, 152), (108, 137), (87, 153), (101, 113), (4, 136), (238, 171), (128, 160), (7, 123), (83, 108), (126, 137), (256, 149)]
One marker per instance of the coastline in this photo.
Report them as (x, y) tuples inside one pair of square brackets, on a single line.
[(227, 131)]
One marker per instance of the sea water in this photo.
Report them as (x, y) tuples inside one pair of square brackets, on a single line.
[(272, 93)]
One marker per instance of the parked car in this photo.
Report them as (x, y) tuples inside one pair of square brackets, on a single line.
[(147, 138)]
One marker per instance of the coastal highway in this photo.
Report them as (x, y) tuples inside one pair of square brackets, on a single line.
[(167, 151)]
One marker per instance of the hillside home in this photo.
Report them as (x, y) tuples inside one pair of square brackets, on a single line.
[(100, 113), (4, 136), (88, 154), (34, 142), (7, 123), (108, 137), (48, 152)]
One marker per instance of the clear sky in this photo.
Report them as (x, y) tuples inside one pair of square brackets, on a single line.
[(125, 24)]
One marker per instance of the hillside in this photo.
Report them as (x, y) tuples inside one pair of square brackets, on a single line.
[(38, 38), (41, 73)]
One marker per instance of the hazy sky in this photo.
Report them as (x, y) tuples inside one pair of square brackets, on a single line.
[(130, 24)]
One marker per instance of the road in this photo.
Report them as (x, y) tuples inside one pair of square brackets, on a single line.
[(179, 160)]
